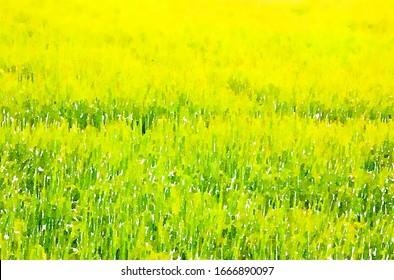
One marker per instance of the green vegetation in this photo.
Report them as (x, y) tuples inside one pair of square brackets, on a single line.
[(205, 130)]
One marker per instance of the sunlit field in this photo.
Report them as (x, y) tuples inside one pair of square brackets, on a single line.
[(207, 129)]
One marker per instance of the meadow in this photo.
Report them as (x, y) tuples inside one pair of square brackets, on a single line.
[(207, 129)]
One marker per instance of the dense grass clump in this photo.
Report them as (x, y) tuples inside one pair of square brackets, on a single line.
[(205, 130)]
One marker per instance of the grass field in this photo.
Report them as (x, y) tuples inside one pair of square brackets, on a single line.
[(207, 129)]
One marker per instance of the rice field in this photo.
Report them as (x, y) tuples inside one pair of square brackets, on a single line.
[(207, 129)]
